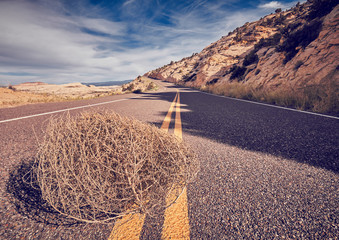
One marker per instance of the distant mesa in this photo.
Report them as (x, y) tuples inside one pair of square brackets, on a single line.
[(72, 85), (108, 83), (32, 83)]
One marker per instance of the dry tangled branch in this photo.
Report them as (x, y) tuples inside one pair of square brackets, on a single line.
[(100, 166)]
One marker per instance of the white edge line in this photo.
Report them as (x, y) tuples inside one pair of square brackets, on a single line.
[(269, 105), (62, 110)]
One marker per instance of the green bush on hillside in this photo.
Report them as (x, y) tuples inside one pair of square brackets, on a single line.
[(237, 72), (320, 8), (250, 58), (268, 42), (300, 38)]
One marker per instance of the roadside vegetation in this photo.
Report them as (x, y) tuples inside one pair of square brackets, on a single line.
[(11, 97), (139, 85), (322, 98), (97, 167)]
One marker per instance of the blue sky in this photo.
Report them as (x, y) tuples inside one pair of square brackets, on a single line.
[(63, 41)]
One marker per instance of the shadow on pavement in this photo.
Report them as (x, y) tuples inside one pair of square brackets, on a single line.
[(26, 196), (293, 135)]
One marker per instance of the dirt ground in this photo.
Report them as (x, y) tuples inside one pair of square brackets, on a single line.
[(41, 92), (37, 92)]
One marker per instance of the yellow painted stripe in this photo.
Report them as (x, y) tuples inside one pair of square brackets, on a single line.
[(167, 119), (129, 227), (176, 223), (178, 128)]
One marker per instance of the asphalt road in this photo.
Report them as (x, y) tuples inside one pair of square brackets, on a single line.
[(266, 173)]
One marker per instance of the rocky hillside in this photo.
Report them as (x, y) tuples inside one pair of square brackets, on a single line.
[(288, 58)]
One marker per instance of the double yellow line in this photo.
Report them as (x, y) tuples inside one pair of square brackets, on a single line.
[(177, 127), (176, 224)]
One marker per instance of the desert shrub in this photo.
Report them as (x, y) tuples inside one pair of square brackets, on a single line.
[(286, 30), (100, 166), (250, 58), (301, 37), (238, 37), (128, 87), (280, 19), (213, 81), (151, 86), (320, 8), (267, 22), (299, 6), (268, 42), (189, 77), (237, 72)]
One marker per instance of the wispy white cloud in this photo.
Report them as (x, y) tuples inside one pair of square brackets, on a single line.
[(39, 43), (102, 26), (272, 5), (128, 2)]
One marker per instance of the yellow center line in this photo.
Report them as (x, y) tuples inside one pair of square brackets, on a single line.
[(128, 227), (176, 223), (167, 119), (177, 127)]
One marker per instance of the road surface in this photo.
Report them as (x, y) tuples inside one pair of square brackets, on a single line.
[(266, 172)]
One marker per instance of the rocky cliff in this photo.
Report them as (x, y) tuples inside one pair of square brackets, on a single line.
[(288, 58)]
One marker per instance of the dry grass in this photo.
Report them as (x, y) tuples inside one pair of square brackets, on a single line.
[(139, 85), (317, 98), (10, 98), (42, 93), (13, 98), (232, 89), (101, 166)]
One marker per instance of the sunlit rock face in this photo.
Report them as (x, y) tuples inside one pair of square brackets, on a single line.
[(290, 50)]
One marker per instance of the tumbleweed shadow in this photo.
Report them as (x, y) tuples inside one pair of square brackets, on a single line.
[(26, 196)]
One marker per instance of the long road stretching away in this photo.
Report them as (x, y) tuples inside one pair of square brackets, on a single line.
[(265, 172)]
